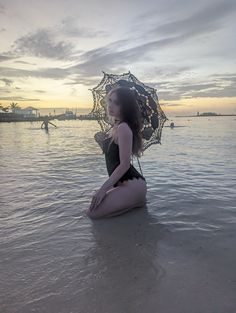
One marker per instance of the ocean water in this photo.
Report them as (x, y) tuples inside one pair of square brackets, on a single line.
[(55, 259)]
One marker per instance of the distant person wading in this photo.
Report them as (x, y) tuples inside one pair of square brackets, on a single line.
[(45, 123)]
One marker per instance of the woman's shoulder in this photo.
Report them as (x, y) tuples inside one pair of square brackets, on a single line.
[(124, 125), (124, 128)]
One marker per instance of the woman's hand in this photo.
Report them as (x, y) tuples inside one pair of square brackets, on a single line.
[(99, 137), (98, 196)]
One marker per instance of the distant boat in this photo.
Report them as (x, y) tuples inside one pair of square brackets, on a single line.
[(68, 115)]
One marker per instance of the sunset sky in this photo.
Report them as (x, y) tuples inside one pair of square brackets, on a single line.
[(52, 52)]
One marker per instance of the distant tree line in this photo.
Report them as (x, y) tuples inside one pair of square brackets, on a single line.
[(13, 106)]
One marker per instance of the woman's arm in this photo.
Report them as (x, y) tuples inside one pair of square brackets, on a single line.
[(52, 124), (125, 141)]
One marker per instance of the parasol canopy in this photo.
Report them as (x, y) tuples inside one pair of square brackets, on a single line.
[(153, 117)]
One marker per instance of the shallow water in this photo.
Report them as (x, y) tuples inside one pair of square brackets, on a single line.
[(55, 259)]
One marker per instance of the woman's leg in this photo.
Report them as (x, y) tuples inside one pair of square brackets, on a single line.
[(126, 196)]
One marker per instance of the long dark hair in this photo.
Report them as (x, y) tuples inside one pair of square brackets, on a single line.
[(130, 113)]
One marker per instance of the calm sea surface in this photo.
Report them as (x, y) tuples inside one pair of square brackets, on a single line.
[(53, 257)]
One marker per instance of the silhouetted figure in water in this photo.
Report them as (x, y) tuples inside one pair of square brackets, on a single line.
[(46, 122), (172, 125)]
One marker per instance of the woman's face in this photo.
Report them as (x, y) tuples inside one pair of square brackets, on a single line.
[(113, 106)]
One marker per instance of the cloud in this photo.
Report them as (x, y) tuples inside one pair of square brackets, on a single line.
[(108, 58), (42, 44), (169, 96), (40, 91), (219, 92), (2, 9), (53, 73), (227, 77), (18, 99), (69, 27), (171, 104), (24, 62), (84, 71), (166, 71), (196, 87), (114, 56), (90, 81), (4, 90), (5, 58), (223, 87), (8, 82), (205, 20)]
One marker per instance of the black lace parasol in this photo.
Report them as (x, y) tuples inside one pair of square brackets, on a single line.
[(153, 117)]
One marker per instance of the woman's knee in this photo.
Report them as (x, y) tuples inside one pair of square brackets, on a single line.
[(125, 197)]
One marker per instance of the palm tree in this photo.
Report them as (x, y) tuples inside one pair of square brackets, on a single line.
[(5, 109), (14, 106)]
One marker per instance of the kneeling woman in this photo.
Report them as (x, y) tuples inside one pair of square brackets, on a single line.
[(125, 188)]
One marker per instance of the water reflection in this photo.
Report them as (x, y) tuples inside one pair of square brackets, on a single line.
[(124, 263)]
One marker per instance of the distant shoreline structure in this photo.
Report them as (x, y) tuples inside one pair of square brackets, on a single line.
[(206, 114), (12, 117), (9, 117), (29, 116)]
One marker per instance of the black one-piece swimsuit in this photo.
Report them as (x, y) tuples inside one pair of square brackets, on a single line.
[(113, 160)]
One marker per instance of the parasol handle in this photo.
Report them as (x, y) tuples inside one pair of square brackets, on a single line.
[(139, 166)]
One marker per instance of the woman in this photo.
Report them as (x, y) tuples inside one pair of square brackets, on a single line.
[(125, 188)]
